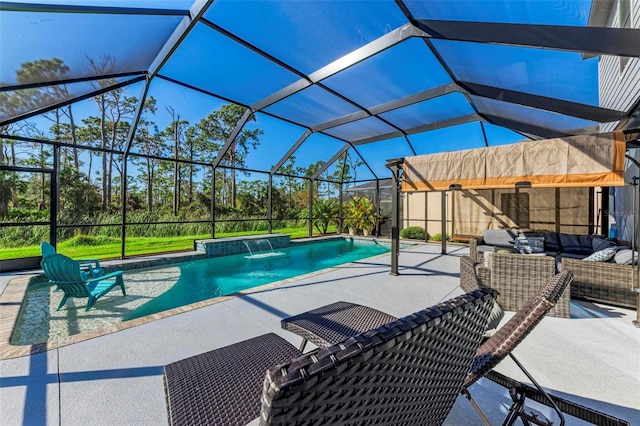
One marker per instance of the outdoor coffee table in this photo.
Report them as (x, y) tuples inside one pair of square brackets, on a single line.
[(334, 323)]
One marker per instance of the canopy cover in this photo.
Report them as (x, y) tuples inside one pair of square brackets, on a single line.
[(577, 161)]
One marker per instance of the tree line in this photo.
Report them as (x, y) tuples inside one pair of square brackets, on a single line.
[(171, 174)]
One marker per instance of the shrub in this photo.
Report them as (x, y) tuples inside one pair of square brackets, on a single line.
[(325, 212), (413, 233), (438, 237)]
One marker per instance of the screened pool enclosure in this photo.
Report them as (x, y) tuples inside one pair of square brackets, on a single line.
[(136, 127)]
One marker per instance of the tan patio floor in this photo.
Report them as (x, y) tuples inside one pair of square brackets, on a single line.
[(593, 358)]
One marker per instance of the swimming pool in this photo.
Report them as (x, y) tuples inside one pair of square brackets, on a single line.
[(221, 276), (155, 292)]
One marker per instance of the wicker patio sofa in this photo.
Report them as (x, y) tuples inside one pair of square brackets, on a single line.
[(409, 371), (598, 281), (603, 282)]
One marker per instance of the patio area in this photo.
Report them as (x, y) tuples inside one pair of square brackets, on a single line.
[(591, 358)]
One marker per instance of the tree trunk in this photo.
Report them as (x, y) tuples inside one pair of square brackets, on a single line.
[(89, 166), (149, 185), (233, 175), (15, 200), (103, 144), (74, 140), (191, 173), (43, 183), (223, 190), (176, 170), (110, 166), (4, 201)]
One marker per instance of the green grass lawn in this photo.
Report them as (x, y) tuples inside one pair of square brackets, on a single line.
[(139, 245)]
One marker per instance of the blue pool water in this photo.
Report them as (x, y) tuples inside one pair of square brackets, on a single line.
[(220, 276)]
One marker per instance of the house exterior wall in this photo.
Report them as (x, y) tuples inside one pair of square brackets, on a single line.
[(619, 89)]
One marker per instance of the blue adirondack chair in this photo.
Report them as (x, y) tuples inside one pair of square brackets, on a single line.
[(66, 273), (91, 266)]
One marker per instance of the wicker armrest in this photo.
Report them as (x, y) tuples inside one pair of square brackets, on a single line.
[(519, 277), (473, 248), (602, 281), (473, 275)]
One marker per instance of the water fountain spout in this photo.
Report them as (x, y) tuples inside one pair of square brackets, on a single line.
[(248, 248), (258, 242)]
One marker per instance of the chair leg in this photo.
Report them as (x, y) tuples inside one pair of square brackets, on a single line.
[(542, 391), (573, 409), (90, 303), (120, 282), (516, 409), (476, 407), (64, 300)]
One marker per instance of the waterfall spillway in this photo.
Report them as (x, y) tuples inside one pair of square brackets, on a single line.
[(260, 249), (248, 248), (261, 243)]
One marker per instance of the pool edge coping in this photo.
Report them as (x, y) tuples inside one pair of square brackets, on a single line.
[(17, 287)]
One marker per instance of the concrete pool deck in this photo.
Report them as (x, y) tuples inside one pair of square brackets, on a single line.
[(593, 358)]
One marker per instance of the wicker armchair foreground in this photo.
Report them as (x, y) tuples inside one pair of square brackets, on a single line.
[(407, 372)]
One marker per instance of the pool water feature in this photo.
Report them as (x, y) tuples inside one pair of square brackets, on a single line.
[(221, 276), (259, 250)]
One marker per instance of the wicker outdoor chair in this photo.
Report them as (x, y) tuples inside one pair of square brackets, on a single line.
[(517, 278), (335, 322), (504, 341), (338, 321), (409, 371)]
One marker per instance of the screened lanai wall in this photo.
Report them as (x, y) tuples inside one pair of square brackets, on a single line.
[(182, 118), (469, 212), (546, 185)]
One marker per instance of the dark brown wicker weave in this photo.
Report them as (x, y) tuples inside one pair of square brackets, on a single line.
[(222, 387), (335, 323), (406, 372), (507, 337), (518, 327), (603, 282), (504, 341)]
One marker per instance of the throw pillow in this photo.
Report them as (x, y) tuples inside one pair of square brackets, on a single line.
[(599, 243), (623, 257), (602, 255), (529, 245)]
